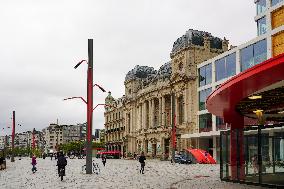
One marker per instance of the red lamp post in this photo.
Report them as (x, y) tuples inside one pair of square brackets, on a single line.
[(13, 137), (33, 145), (89, 103)]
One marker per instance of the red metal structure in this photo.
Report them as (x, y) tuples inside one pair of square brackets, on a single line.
[(33, 138), (201, 156)]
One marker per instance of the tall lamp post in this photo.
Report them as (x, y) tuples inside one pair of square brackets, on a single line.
[(89, 103), (13, 137)]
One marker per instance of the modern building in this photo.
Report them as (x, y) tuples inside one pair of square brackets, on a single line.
[(213, 72), (142, 119)]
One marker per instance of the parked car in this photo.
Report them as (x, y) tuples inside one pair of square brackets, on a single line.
[(180, 159)]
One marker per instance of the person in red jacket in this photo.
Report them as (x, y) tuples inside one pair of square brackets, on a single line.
[(34, 164)]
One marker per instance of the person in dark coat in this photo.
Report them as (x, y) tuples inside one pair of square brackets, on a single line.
[(104, 160), (142, 159), (61, 163)]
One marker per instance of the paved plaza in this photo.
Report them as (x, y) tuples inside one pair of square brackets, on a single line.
[(116, 174)]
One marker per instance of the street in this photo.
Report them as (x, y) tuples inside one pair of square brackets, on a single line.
[(116, 174)]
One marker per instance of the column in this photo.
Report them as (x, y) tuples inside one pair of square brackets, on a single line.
[(145, 115), (153, 112), (185, 100), (160, 112), (163, 147), (140, 116), (236, 148), (150, 114), (176, 109), (271, 134), (215, 147), (163, 117)]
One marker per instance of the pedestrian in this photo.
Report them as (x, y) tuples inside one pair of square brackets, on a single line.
[(104, 160), (134, 155), (142, 162), (51, 156), (61, 163), (34, 164)]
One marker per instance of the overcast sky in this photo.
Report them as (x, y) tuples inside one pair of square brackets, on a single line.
[(42, 40)]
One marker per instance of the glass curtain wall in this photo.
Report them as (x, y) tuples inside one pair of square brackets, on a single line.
[(202, 98), (260, 6), (225, 67), (205, 75), (261, 26), (275, 2), (262, 152), (253, 54)]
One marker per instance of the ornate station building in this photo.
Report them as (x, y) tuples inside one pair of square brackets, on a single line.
[(142, 119)]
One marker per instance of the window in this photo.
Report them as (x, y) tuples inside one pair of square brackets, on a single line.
[(205, 75), (225, 67), (261, 26), (274, 2), (260, 52), (260, 6), (253, 54), (202, 98), (220, 123), (205, 122)]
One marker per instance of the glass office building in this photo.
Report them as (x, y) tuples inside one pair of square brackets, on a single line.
[(214, 72)]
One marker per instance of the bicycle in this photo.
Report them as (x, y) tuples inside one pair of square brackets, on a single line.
[(95, 166)]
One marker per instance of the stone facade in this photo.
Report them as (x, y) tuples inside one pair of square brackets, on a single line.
[(114, 123), (146, 107)]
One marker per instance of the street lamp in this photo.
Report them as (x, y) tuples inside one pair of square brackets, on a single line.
[(89, 103)]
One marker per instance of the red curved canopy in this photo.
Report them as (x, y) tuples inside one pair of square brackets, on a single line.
[(223, 100), (202, 156)]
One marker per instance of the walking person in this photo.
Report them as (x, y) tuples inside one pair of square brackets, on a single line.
[(34, 164), (104, 160), (61, 163), (142, 159)]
